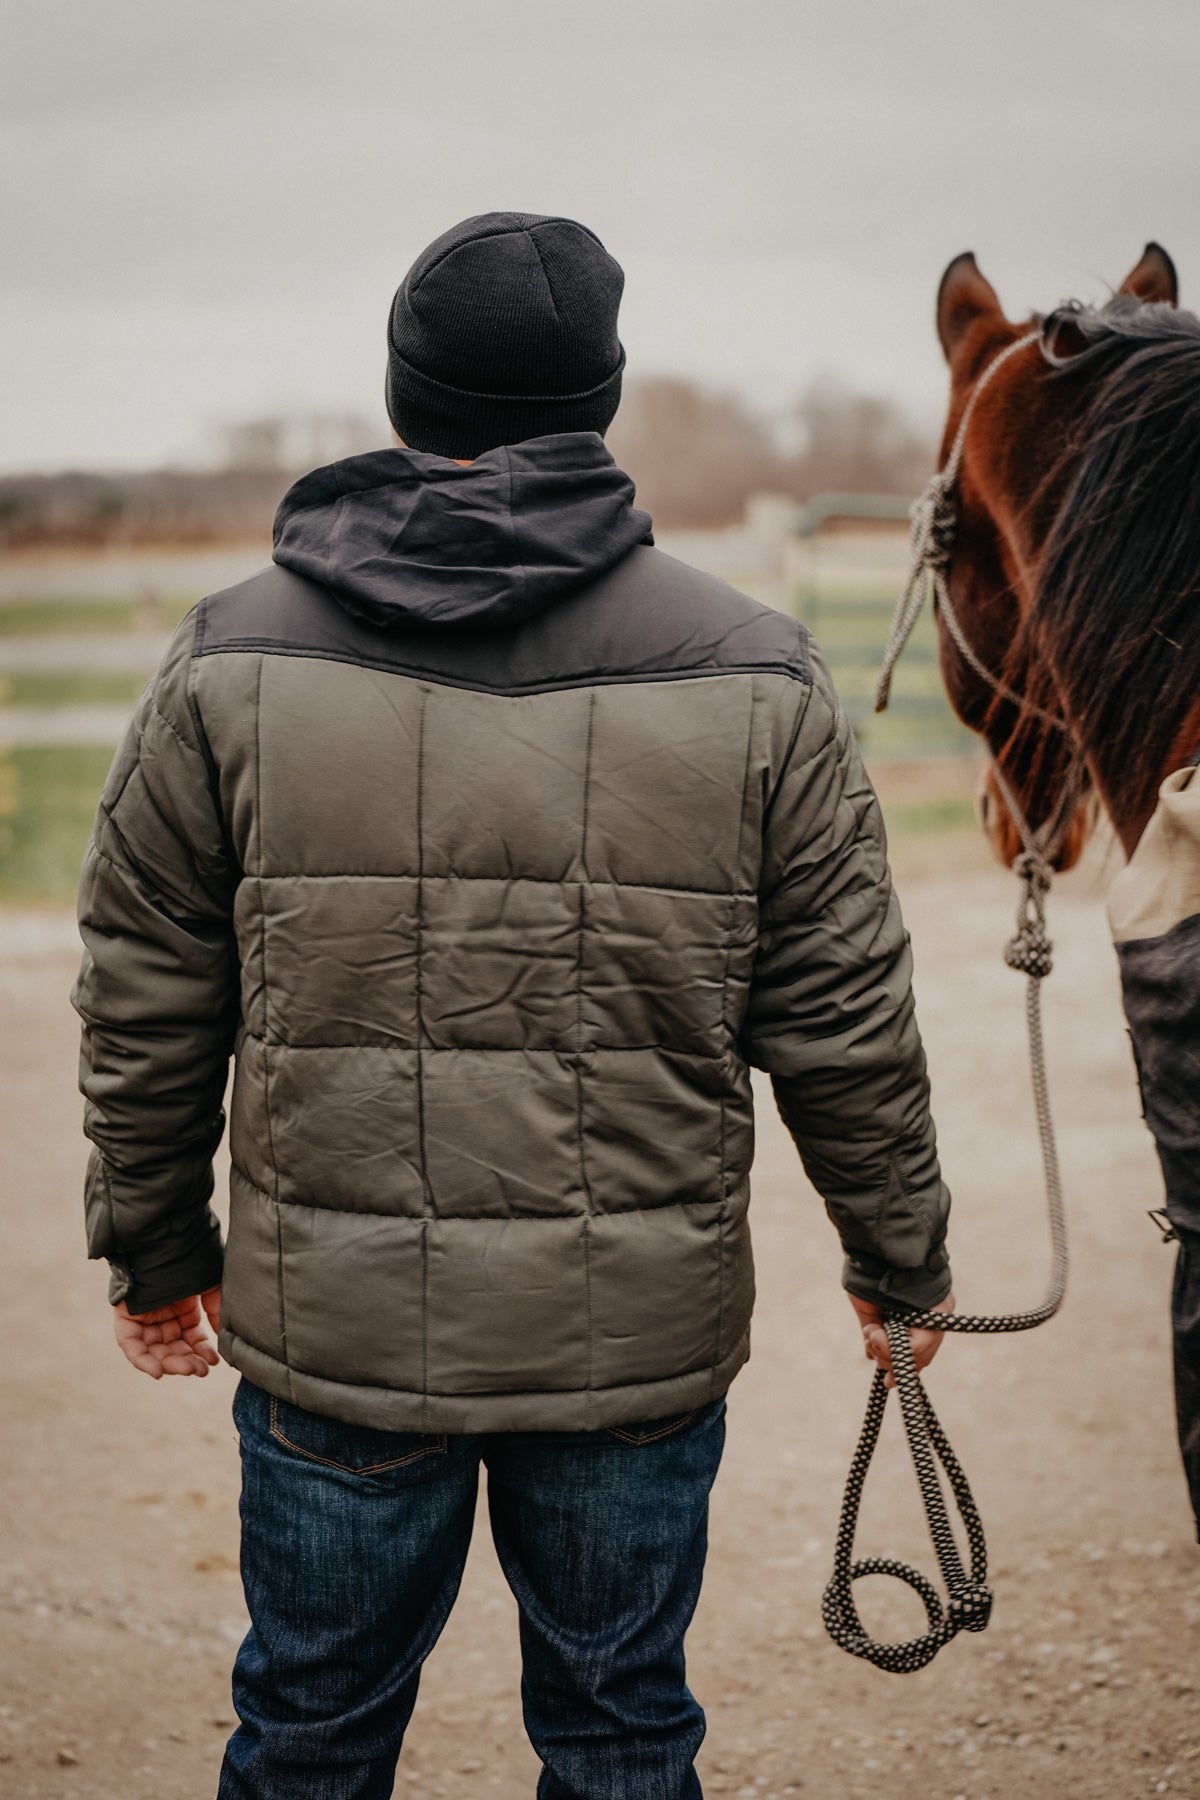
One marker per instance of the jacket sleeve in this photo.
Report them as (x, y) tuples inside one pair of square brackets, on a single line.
[(158, 996), (830, 1015)]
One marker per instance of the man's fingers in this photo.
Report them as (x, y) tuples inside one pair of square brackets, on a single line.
[(145, 1347), (184, 1365), (210, 1300), (196, 1346), (925, 1346), (128, 1330), (175, 1361)]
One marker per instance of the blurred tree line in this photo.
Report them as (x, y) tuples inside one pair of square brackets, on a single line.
[(696, 454)]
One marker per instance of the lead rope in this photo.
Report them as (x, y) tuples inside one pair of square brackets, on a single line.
[(970, 1599), (969, 1603)]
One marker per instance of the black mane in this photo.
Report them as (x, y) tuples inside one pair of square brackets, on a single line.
[(1118, 609)]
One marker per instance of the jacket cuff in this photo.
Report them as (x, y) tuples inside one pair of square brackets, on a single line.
[(870, 1278), (158, 1276)]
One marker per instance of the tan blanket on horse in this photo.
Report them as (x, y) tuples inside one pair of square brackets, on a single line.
[(1154, 910), (1160, 885)]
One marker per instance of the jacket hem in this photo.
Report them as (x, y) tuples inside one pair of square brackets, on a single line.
[(560, 1409)]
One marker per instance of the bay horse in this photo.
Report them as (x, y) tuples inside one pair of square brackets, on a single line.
[(1074, 577)]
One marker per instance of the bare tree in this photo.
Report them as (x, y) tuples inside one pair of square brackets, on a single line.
[(854, 443), (698, 455)]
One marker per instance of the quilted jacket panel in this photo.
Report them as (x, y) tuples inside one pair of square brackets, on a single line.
[(494, 926)]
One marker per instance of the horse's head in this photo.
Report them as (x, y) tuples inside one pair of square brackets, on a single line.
[(1019, 454)]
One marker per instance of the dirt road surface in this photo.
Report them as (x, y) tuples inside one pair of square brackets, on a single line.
[(119, 1594)]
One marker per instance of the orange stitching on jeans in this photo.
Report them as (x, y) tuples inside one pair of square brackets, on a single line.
[(438, 1448), (629, 1437)]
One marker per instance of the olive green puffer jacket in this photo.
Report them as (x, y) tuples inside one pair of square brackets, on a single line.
[(495, 846)]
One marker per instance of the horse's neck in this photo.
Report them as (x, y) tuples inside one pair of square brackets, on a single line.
[(1128, 807), (1130, 815)]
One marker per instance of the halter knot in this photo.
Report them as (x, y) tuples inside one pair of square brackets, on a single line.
[(1032, 869), (933, 522), (1030, 951), (970, 1606)]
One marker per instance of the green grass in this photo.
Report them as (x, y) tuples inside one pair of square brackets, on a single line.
[(48, 800), (929, 818), (60, 618), (851, 629), (51, 688)]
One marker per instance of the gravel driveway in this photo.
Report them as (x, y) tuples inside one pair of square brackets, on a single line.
[(118, 1533)]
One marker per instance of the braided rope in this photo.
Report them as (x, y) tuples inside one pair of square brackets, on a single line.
[(1029, 951)]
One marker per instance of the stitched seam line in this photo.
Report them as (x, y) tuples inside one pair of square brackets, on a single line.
[(125, 868), (321, 653), (724, 1167), (253, 1185), (438, 1449), (425, 1321), (636, 887), (654, 1437), (112, 1208), (512, 520), (565, 1056), (512, 1215), (729, 930), (191, 749), (106, 811), (210, 763), (263, 1041), (418, 972), (545, 275), (915, 1205), (418, 994), (586, 1235)]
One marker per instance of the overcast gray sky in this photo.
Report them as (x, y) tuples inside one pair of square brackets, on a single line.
[(204, 210)]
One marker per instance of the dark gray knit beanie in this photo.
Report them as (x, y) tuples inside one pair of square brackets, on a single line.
[(505, 328)]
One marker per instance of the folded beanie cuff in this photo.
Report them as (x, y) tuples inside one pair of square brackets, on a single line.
[(432, 416)]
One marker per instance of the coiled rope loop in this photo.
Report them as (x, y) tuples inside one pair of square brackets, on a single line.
[(969, 1602)]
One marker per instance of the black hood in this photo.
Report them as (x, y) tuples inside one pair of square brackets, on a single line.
[(399, 535)]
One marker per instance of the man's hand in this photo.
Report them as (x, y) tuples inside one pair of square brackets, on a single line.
[(925, 1344), (170, 1340)]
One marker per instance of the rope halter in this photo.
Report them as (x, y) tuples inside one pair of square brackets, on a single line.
[(934, 523)]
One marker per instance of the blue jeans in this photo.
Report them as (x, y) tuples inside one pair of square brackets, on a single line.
[(353, 1546)]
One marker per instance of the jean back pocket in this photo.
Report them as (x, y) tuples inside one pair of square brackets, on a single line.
[(350, 1449)]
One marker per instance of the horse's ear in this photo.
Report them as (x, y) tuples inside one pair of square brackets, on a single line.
[(1154, 278), (963, 296)]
